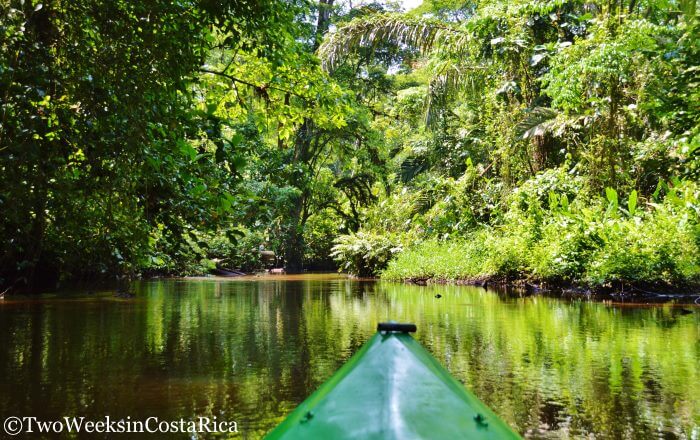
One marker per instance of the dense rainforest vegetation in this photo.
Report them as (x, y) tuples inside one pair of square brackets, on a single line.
[(546, 140)]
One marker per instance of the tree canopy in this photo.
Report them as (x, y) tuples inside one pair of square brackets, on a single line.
[(160, 137)]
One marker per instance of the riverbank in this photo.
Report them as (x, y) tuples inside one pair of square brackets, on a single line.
[(638, 271), (614, 292)]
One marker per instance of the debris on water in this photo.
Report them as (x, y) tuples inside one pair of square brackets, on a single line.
[(225, 272), (418, 281), (124, 294)]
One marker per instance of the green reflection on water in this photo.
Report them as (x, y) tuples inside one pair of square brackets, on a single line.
[(250, 350)]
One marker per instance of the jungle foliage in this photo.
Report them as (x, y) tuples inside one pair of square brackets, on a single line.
[(108, 153), (549, 141), (555, 140)]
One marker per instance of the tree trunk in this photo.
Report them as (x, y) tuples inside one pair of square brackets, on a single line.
[(542, 154), (613, 131), (324, 16), (294, 229), (294, 240)]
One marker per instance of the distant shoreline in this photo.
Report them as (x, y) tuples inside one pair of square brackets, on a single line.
[(616, 291)]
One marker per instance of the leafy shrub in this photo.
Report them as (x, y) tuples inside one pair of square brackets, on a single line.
[(365, 254), (319, 232), (596, 242), (661, 246), (199, 253), (243, 253)]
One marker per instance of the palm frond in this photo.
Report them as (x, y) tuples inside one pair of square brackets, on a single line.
[(538, 121), (423, 34), (450, 76), (413, 166), (424, 201)]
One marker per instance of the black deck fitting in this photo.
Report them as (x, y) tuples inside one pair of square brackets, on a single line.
[(396, 327)]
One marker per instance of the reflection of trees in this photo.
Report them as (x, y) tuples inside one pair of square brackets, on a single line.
[(531, 357), (253, 350)]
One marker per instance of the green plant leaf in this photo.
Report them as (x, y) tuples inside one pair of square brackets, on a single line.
[(632, 203)]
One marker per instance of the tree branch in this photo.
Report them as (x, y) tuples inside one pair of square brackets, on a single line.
[(250, 84)]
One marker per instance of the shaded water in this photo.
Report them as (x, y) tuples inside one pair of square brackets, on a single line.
[(251, 350)]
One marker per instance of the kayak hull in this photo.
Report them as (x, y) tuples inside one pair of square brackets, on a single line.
[(392, 388)]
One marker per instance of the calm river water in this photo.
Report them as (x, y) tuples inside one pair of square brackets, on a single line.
[(251, 349)]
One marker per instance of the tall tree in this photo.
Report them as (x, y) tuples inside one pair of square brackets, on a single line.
[(99, 139)]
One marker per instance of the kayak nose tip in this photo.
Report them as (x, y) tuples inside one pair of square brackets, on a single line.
[(481, 420), (393, 326)]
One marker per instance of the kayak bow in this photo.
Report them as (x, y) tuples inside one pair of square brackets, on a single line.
[(392, 388)]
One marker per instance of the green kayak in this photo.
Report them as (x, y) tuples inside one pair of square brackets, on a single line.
[(392, 388)]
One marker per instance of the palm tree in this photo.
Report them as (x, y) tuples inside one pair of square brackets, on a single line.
[(444, 43), (461, 58)]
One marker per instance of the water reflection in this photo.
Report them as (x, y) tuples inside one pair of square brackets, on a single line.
[(250, 350)]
